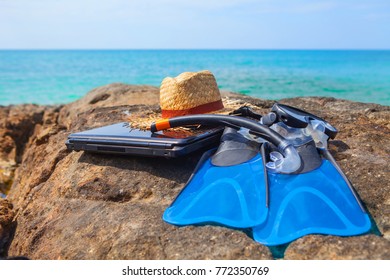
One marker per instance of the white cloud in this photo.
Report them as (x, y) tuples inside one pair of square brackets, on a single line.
[(315, 7), (295, 7), (378, 16)]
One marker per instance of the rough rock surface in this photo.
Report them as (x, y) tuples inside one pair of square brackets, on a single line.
[(6, 225), (365, 247), (16, 126), (73, 205)]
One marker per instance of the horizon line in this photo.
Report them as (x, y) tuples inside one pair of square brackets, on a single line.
[(195, 49)]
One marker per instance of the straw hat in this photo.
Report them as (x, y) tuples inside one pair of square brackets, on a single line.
[(189, 93)]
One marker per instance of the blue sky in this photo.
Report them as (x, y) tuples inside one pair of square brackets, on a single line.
[(197, 24)]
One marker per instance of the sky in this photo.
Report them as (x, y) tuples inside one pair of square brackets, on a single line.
[(195, 24)]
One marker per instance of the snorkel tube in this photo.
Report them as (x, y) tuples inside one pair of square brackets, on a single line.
[(290, 162)]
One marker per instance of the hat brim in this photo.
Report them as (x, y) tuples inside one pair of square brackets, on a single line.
[(143, 120)]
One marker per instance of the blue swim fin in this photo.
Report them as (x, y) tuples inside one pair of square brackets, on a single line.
[(320, 201), (228, 187), (305, 193)]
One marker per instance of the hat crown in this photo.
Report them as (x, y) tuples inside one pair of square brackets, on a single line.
[(189, 90)]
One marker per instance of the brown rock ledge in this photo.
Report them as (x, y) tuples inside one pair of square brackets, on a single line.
[(72, 205)]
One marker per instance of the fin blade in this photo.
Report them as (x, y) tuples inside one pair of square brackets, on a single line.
[(234, 196), (317, 202)]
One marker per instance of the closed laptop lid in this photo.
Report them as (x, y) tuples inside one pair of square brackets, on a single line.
[(123, 133)]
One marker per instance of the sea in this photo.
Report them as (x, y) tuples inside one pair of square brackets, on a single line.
[(62, 76)]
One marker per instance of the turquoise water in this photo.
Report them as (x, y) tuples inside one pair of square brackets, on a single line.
[(50, 77)]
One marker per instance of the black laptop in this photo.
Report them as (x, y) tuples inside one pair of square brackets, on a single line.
[(120, 138)]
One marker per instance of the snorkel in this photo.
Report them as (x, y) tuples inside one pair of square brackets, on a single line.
[(288, 163)]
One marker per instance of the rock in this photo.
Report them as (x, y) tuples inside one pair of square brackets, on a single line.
[(7, 170), (112, 95), (318, 247), (6, 225), (74, 205), (16, 126)]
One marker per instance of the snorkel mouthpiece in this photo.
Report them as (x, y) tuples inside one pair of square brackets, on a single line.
[(269, 119), (316, 129), (286, 161)]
